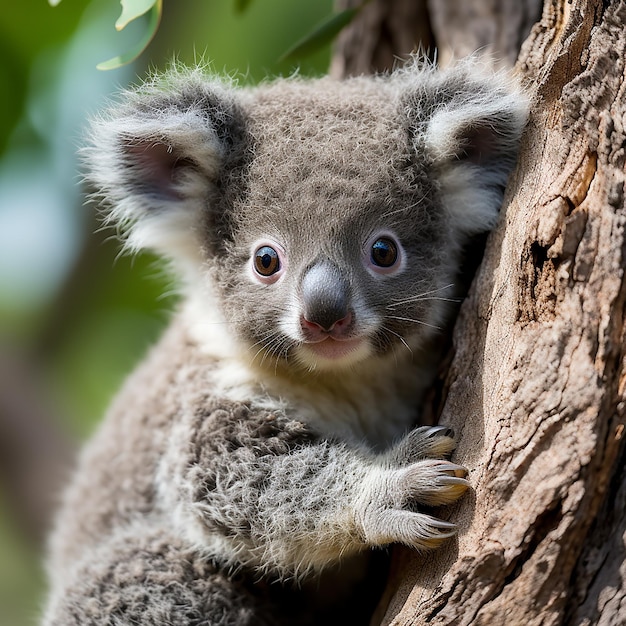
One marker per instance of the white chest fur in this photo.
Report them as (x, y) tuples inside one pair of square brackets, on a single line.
[(374, 403)]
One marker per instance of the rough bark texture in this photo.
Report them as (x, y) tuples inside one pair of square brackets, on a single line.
[(536, 390), (386, 31), (495, 27), (383, 32)]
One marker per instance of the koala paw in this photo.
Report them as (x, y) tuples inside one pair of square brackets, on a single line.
[(391, 495), (426, 442)]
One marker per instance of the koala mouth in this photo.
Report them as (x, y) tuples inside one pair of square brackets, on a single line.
[(337, 350)]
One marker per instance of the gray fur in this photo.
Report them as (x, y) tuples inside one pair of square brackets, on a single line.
[(262, 437)]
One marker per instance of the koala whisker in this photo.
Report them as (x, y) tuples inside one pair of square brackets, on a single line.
[(424, 299), (414, 321), (400, 337), (273, 344), (426, 295), (263, 343), (266, 349), (280, 349)]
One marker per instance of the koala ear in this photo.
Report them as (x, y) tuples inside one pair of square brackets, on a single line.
[(468, 122), (155, 160)]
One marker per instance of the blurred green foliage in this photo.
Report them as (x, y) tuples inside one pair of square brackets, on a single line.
[(324, 33), (68, 301), (132, 10)]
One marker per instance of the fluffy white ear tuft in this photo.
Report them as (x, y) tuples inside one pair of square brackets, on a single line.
[(468, 122), (155, 158)]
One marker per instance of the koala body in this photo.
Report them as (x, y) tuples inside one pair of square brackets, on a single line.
[(317, 228)]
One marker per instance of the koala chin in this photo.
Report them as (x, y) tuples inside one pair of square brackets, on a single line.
[(270, 441)]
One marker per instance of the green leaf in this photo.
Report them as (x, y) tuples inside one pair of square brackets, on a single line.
[(54, 3), (321, 35), (131, 10), (153, 24), (242, 5)]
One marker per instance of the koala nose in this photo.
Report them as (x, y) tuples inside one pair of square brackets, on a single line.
[(336, 328), (326, 298)]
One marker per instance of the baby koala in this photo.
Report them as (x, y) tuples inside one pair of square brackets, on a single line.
[(266, 440)]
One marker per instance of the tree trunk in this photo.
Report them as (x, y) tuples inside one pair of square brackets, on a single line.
[(386, 31), (536, 388)]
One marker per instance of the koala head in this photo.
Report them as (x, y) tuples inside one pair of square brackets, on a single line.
[(325, 217)]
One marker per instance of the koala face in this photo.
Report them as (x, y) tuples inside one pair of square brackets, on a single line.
[(339, 226), (337, 241), (328, 216)]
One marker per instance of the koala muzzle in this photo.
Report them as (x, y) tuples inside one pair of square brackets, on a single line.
[(325, 302)]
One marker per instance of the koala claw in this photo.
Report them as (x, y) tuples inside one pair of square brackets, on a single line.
[(431, 482), (417, 530), (390, 499), (439, 431), (422, 443)]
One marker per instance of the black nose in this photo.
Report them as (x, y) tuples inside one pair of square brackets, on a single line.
[(325, 295)]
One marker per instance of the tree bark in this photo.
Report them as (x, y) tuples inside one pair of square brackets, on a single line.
[(387, 31), (383, 32), (536, 388)]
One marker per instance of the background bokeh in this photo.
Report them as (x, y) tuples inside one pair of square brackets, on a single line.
[(74, 315)]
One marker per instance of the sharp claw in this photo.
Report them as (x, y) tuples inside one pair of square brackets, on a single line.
[(457, 470), (440, 431), (439, 523), (454, 480)]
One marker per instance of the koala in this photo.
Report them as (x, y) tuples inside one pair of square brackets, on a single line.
[(269, 443)]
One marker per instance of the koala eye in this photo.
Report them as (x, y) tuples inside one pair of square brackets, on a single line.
[(266, 261), (384, 253)]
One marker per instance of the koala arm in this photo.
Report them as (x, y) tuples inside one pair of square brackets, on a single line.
[(261, 489)]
